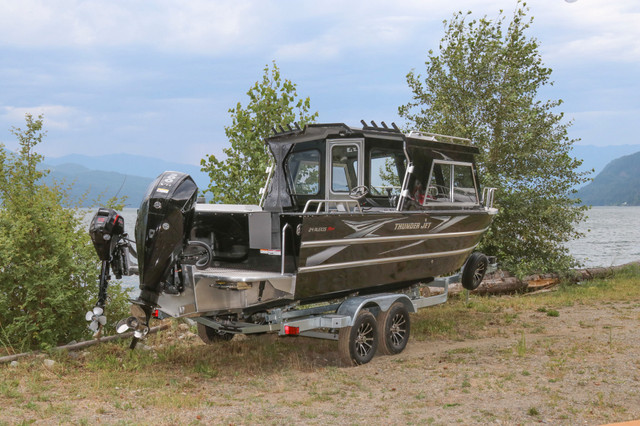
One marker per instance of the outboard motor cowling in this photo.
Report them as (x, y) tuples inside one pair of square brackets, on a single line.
[(163, 223), (105, 229)]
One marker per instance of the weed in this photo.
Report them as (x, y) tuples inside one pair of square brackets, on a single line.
[(521, 346), (553, 313), (465, 382), (533, 411), (205, 370), (464, 350), (451, 405)]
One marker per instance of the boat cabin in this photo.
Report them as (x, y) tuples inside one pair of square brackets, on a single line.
[(379, 167)]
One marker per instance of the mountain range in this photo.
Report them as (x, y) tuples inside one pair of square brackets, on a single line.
[(98, 178), (105, 176), (617, 184)]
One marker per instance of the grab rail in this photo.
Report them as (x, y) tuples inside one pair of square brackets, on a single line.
[(265, 188), (487, 197), (404, 192), (283, 249), (348, 205)]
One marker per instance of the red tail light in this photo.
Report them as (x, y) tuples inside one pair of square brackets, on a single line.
[(291, 331)]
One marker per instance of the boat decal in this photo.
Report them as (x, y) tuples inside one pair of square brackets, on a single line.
[(319, 258), (393, 238), (366, 229), (441, 235), (447, 222), (378, 261)]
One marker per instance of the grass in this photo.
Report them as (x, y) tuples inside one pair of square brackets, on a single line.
[(174, 374), (459, 321)]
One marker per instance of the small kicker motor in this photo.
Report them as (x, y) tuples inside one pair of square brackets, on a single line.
[(112, 246)]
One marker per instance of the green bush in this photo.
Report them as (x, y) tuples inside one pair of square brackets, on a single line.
[(48, 267)]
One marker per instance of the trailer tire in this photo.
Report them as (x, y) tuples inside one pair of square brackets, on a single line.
[(358, 344), (474, 270), (394, 326), (211, 336)]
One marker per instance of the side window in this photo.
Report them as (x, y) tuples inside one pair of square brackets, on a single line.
[(386, 172), (439, 187), (344, 167), (448, 177), (464, 189), (303, 172)]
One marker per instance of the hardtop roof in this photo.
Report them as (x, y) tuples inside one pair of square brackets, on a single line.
[(315, 132)]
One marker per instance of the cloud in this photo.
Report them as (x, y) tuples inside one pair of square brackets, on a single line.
[(55, 116), (590, 31), (196, 26), (315, 30)]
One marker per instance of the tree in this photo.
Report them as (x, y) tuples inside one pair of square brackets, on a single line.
[(48, 267), (272, 103), (483, 84)]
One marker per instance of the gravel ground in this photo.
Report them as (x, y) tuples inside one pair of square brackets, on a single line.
[(579, 367)]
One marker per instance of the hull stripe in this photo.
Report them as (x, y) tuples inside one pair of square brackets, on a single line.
[(371, 262), (369, 240)]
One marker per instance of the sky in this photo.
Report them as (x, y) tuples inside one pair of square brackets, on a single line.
[(157, 77)]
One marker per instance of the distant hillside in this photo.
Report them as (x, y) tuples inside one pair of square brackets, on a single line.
[(597, 157), (617, 184), (105, 176), (92, 185), (127, 164)]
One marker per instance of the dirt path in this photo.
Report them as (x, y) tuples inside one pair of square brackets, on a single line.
[(580, 367)]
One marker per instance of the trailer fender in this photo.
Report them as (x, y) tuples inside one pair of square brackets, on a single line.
[(353, 305)]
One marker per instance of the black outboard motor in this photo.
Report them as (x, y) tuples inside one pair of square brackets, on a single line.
[(164, 219), (110, 241), (106, 230)]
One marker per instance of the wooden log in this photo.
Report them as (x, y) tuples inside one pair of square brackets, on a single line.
[(500, 285), (84, 344), (502, 282)]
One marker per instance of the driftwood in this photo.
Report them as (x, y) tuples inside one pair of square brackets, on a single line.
[(85, 344), (502, 282)]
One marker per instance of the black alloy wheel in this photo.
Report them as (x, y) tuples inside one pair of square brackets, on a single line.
[(474, 270), (358, 344), (394, 326)]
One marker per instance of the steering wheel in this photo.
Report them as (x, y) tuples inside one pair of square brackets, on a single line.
[(358, 192)]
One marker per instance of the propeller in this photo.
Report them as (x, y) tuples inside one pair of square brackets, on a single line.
[(96, 318)]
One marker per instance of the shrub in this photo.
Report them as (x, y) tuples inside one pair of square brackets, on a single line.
[(48, 267)]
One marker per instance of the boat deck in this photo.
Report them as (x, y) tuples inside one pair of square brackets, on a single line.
[(228, 274)]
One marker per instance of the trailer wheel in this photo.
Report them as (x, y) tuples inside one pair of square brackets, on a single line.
[(474, 270), (358, 344), (394, 327), (211, 336)]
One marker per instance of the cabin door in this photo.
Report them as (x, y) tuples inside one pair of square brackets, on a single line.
[(345, 167)]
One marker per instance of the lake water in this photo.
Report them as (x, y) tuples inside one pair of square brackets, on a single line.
[(612, 237)]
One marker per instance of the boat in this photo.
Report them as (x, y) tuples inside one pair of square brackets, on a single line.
[(345, 212)]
